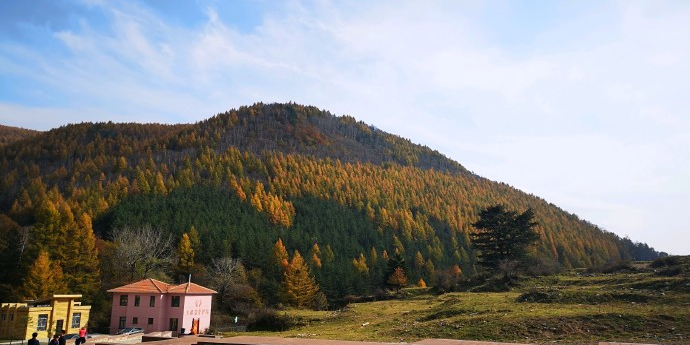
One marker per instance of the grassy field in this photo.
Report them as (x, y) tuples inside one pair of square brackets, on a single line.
[(641, 306)]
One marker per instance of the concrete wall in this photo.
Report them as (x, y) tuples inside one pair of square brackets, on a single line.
[(191, 306), (197, 307), (142, 312)]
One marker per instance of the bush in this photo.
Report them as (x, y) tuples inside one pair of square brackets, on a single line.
[(543, 267), (613, 267), (671, 271), (666, 261), (265, 319), (446, 281), (320, 302)]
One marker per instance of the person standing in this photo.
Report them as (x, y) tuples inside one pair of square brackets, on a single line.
[(82, 336), (62, 340), (33, 340), (55, 340)]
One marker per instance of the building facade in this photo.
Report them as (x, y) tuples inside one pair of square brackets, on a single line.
[(46, 316), (155, 306)]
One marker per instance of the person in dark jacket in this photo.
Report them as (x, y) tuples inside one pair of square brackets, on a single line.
[(62, 340), (33, 340)]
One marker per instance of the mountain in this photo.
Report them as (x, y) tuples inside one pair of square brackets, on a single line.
[(335, 189)]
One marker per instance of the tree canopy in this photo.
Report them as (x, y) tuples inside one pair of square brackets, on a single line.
[(503, 236)]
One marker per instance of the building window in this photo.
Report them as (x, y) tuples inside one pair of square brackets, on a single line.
[(11, 317), (175, 302), (76, 320), (123, 300), (152, 301), (122, 322), (150, 321), (173, 325), (4, 316), (42, 322), (135, 320), (136, 301)]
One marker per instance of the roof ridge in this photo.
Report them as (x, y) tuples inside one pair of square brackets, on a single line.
[(153, 281)]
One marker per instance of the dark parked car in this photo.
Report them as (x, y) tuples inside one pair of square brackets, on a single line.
[(128, 331)]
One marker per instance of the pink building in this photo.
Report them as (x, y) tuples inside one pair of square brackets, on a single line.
[(155, 306)]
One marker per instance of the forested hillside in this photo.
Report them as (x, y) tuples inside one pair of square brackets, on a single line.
[(344, 194), (12, 134)]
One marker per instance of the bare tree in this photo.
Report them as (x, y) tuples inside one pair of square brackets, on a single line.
[(230, 280), (23, 237), (143, 251), (227, 272)]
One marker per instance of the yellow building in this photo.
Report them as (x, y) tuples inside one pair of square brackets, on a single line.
[(45, 316)]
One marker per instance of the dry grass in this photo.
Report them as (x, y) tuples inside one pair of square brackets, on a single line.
[(573, 308)]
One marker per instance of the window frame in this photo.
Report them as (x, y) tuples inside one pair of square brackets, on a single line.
[(137, 300), (124, 300), (76, 320), (175, 301), (152, 301), (42, 322)]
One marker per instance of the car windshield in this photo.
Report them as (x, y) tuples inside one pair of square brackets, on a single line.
[(130, 330)]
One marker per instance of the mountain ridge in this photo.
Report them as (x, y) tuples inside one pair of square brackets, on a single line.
[(275, 158)]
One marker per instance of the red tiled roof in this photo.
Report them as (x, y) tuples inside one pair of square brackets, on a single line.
[(190, 289), (155, 286)]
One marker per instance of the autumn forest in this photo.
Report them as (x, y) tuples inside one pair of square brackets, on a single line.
[(269, 204)]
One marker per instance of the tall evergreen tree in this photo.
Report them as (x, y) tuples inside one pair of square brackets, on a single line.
[(398, 279), (280, 254), (70, 242), (185, 256), (43, 279), (503, 236), (81, 265), (300, 285), (194, 239), (395, 262)]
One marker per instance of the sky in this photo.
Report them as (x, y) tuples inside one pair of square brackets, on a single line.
[(583, 103)]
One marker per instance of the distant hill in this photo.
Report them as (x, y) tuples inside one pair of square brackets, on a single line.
[(11, 134), (246, 177)]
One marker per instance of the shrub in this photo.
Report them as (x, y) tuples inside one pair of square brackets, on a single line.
[(671, 271), (666, 261), (446, 281), (543, 267), (320, 302), (265, 319), (613, 267)]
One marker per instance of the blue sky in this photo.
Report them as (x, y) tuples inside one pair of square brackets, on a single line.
[(583, 103)]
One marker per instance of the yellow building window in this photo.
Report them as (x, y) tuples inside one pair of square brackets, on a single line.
[(42, 322), (76, 320)]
